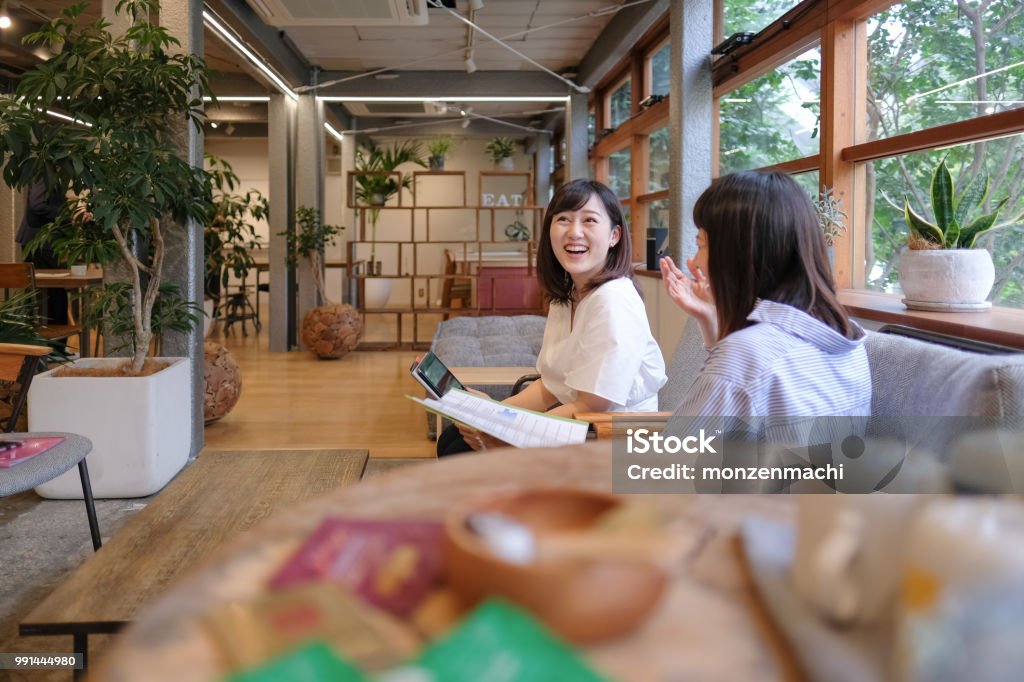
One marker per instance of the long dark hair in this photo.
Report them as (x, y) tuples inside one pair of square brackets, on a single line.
[(619, 262), (764, 242)]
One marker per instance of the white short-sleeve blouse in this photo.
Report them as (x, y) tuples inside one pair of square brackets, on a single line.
[(607, 350)]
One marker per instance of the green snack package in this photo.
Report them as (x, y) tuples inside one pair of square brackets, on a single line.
[(314, 662), (501, 643)]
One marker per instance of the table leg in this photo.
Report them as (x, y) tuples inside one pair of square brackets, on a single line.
[(81, 645)]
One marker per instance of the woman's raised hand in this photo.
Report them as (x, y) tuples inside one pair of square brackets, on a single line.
[(691, 294)]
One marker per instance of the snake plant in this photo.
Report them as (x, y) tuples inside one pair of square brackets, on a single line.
[(954, 227)]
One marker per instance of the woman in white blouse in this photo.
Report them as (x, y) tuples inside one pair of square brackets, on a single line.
[(598, 354)]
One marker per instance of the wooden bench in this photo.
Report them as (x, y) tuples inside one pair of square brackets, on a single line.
[(205, 507)]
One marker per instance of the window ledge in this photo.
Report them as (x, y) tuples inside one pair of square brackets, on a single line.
[(1004, 326)]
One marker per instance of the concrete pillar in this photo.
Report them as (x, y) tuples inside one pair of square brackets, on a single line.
[(576, 137), (309, 188), (542, 168), (690, 114), (184, 261), (280, 131)]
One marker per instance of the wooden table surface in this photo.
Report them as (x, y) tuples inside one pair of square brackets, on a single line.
[(708, 626), (61, 278), (206, 507)]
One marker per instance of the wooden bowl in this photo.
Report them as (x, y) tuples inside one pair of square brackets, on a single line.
[(582, 599)]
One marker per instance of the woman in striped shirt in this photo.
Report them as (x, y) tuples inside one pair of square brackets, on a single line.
[(780, 343)]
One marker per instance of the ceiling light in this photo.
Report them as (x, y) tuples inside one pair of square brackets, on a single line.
[(449, 98), (340, 137), (239, 98), (214, 124), (230, 38), (5, 16), (476, 5), (470, 64)]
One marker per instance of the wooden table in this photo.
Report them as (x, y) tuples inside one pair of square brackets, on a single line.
[(61, 278), (708, 627), (205, 507)]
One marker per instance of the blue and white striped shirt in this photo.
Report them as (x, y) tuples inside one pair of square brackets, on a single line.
[(787, 365)]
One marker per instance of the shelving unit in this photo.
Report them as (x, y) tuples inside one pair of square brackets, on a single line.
[(412, 239)]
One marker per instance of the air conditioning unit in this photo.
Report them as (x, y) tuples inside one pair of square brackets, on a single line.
[(341, 12)]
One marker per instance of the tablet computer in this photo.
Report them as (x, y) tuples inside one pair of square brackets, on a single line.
[(434, 375)]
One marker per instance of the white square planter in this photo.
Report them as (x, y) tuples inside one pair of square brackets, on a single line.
[(139, 426)]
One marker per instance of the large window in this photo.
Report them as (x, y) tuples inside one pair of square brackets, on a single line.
[(618, 173), (939, 61), (620, 104), (657, 154), (773, 118), (658, 65), (752, 15), (889, 180)]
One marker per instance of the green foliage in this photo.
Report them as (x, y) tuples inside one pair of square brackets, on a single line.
[(76, 239), (231, 237), (112, 303), (130, 96), (500, 148), (18, 324), (310, 235), (308, 240), (440, 145), (374, 168), (953, 228)]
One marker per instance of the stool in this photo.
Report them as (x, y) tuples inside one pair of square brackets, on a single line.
[(238, 308)]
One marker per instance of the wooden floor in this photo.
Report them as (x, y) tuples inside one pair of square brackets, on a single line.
[(294, 400)]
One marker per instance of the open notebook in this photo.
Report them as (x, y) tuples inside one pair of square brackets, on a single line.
[(514, 425)]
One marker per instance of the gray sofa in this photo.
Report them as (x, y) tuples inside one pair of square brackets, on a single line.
[(909, 378), (492, 341)]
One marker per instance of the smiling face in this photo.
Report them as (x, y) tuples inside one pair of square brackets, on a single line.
[(581, 239)]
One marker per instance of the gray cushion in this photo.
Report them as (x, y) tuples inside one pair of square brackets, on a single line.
[(489, 341), (45, 466), (683, 368), (915, 378)]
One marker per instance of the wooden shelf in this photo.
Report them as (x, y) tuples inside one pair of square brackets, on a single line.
[(410, 270)]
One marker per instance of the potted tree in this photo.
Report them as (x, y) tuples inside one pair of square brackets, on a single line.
[(438, 148), (375, 185), (128, 96), (500, 150), (942, 268), (331, 329)]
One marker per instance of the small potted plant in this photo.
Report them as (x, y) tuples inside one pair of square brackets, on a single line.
[(941, 268), (831, 219), (332, 329), (438, 148), (376, 184), (500, 150)]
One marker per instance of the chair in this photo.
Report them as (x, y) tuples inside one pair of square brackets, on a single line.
[(22, 276), (19, 362), (454, 288)]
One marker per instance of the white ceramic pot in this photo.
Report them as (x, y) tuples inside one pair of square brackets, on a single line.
[(140, 427), (506, 164), (946, 279), (378, 291)]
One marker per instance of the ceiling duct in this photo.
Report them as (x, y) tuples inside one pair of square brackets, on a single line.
[(341, 12)]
